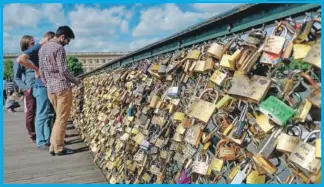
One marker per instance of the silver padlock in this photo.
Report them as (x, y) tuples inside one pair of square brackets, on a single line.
[(241, 175)]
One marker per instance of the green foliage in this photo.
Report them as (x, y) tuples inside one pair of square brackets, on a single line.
[(8, 69), (74, 65), (293, 65)]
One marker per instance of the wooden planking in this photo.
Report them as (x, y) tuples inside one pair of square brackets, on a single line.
[(24, 163)]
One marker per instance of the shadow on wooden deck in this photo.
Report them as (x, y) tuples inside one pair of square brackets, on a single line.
[(24, 163)]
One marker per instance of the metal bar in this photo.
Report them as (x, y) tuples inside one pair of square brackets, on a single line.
[(241, 18)]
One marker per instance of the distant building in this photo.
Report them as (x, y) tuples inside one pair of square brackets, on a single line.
[(89, 60)]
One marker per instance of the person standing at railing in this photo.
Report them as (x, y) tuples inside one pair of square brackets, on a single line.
[(29, 59), (56, 76)]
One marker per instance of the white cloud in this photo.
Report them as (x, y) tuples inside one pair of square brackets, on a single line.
[(216, 8), (102, 44), (139, 43), (55, 13), (167, 17), (11, 43), (29, 17), (98, 28), (89, 22), (124, 26), (20, 15)]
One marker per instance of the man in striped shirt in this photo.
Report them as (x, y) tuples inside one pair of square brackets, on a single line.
[(57, 78)]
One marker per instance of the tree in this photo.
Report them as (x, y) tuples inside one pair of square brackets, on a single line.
[(8, 69), (74, 65)]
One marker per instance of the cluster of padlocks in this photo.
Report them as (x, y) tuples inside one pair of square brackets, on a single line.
[(228, 111)]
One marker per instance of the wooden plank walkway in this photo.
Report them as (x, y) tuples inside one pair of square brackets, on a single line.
[(24, 163)]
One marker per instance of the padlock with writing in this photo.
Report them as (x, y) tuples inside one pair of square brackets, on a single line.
[(273, 43), (226, 150), (304, 155), (276, 110), (200, 109), (287, 143)]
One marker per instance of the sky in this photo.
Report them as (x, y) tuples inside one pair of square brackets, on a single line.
[(104, 27)]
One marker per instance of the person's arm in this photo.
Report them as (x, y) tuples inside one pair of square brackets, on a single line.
[(41, 69), (18, 71), (62, 65), (24, 58)]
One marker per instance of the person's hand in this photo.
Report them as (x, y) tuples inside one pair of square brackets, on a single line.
[(37, 75), (44, 40)]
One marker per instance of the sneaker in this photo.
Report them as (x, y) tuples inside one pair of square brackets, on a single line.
[(66, 151)]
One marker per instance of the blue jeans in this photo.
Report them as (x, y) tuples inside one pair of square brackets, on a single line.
[(43, 116)]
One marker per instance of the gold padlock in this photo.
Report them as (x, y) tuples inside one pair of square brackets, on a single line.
[(218, 77), (300, 51), (313, 56), (216, 50), (255, 178), (178, 116)]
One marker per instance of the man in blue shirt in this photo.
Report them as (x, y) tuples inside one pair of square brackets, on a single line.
[(29, 61)]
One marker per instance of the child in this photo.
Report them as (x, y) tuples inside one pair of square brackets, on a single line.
[(12, 101)]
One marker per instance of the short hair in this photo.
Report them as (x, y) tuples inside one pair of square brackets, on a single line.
[(24, 42), (49, 34), (66, 31)]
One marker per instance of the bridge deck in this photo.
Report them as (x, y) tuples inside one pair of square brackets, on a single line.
[(24, 163)]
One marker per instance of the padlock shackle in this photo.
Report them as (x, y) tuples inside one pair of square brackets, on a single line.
[(207, 90), (279, 25), (309, 80), (310, 134)]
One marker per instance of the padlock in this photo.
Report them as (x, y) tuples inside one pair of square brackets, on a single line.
[(241, 174), (274, 44), (218, 77), (313, 56), (276, 110), (195, 108), (226, 150), (304, 155), (178, 116), (251, 89), (174, 91), (216, 164), (216, 50), (303, 111), (287, 143), (305, 30), (200, 166), (193, 55), (270, 142), (193, 135), (228, 61), (264, 123), (265, 164), (255, 178), (256, 36)]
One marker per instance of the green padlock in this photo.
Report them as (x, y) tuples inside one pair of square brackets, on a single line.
[(277, 110)]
